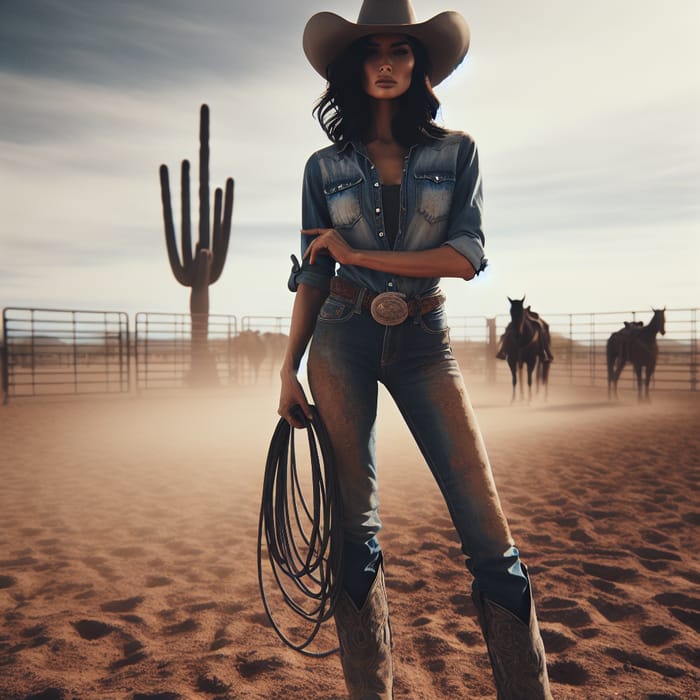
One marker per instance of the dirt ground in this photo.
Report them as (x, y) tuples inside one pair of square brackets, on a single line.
[(128, 531)]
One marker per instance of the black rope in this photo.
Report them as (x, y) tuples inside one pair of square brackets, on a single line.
[(303, 542)]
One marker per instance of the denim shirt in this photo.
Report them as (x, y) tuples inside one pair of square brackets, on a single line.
[(441, 204)]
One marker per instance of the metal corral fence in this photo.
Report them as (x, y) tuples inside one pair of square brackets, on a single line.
[(163, 353), (62, 351), (51, 351)]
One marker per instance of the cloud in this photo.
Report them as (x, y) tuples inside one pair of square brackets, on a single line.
[(586, 118), (137, 43)]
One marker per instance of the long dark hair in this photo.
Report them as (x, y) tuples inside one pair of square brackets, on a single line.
[(344, 110)]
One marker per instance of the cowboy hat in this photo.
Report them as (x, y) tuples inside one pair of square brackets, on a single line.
[(445, 36)]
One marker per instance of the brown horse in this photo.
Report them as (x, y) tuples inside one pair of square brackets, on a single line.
[(526, 342), (635, 343)]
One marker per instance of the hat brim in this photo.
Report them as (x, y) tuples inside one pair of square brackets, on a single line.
[(445, 38)]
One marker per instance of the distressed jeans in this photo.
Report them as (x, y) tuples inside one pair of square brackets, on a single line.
[(350, 353)]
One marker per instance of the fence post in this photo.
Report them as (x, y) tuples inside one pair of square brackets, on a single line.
[(491, 351), (4, 358), (693, 351)]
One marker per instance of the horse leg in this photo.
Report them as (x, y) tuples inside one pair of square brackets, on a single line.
[(638, 374), (530, 368), (522, 389), (649, 373), (617, 371), (513, 375)]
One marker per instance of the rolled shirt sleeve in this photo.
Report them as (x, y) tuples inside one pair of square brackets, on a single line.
[(464, 231), (314, 214)]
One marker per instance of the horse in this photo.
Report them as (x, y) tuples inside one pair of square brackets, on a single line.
[(617, 353), (635, 343), (526, 342), (249, 348)]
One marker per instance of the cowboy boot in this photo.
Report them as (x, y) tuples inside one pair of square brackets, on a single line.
[(365, 643), (515, 649)]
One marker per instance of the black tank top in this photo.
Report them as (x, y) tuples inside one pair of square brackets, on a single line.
[(391, 203)]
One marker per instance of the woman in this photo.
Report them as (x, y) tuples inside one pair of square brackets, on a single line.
[(395, 204)]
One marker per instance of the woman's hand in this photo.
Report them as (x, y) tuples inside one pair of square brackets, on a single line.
[(328, 240), (292, 396)]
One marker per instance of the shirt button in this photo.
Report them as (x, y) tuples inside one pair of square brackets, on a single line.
[(377, 210), (381, 234), (376, 184)]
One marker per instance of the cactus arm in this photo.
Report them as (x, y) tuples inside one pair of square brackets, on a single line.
[(186, 218), (178, 270), (222, 236), (204, 177)]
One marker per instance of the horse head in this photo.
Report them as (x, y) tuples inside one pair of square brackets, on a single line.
[(517, 314), (658, 322)]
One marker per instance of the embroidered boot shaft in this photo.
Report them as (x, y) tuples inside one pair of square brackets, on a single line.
[(365, 643), (516, 651)]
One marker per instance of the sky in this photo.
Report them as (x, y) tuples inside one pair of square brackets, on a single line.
[(586, 116)]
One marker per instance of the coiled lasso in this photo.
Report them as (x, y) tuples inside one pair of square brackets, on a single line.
[(301, 533)]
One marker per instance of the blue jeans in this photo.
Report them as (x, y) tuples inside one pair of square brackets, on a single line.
[(350, 353)]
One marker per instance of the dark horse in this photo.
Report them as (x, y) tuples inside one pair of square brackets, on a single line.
[(635, 343), (526, 342)]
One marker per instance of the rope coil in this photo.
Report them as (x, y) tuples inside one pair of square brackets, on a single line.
[(303, 544)]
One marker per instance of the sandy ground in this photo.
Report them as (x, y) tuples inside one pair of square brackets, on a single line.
[(128, 535)]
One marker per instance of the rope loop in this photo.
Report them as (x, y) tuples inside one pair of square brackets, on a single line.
[(300, 530)]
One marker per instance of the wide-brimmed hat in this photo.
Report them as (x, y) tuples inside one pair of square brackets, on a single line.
[(445, 36)]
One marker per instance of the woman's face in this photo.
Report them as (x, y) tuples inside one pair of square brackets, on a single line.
[(388, 66)]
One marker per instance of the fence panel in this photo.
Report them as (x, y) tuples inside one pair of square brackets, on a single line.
[(164, 356), (59, 351), (62, 351)]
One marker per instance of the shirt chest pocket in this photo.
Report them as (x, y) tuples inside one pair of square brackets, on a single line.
[(343, 199), (434, 195)]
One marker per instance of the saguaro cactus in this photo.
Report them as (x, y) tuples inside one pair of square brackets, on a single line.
[(203, 268)]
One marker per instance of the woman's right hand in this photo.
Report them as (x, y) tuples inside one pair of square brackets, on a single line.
[(292, 395)]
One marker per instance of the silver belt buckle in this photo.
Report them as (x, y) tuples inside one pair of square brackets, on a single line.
[(389, 308)]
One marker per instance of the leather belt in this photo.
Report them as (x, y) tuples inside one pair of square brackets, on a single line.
[(420, 305)]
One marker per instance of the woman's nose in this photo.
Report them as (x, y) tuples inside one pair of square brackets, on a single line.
[(385, 67)]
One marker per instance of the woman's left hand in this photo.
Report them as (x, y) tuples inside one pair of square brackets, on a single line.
[(328, 240)]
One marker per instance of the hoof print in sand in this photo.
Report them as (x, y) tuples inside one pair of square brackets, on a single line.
[(157, 581), (220, 644), (634, 658), (405, 586), (614, 612), (122, 606), (657, 635), (48, 694), (35, 635), (563, 610), (211, 684), (92, 629), (188, 625), (133, 653), (610, 573), (7, 581), (248, 668), (556, 642), (220, 640), (568, 673)]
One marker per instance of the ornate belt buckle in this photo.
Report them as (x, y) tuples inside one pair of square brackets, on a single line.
[(389, 308)]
